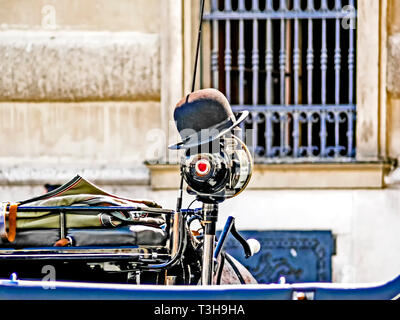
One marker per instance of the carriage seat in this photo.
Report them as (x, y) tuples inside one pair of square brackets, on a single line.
[(37, 222)]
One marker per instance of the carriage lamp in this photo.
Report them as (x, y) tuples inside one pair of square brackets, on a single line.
[(219, 175), (216, 164), (213, 177)]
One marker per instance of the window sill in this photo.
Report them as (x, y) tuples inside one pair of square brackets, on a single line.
[(357, 175)]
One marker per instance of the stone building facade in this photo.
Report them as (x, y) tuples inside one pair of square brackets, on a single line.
[(89, 87)]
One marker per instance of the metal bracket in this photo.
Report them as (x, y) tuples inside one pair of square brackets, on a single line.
[(303, 295)]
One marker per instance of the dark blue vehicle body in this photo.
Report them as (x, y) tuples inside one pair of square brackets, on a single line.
[(39, 290)]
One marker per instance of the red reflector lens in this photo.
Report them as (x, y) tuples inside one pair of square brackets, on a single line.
[(202, 167)]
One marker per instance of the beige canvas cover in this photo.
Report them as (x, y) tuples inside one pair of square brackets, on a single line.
[(80, 192)]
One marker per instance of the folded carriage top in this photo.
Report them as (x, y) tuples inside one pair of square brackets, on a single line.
[(67, 207)]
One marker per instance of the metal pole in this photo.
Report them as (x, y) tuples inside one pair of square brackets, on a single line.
[(210, 212)]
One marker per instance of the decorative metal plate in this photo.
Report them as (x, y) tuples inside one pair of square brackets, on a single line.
[(298, 256)]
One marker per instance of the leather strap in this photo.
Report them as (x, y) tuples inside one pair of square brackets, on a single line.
[(12, 221), (64, 242), (3, 211)]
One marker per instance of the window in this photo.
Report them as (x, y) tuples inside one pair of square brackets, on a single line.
[(291, 63)]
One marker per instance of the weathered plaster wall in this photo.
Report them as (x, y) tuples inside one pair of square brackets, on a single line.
[(95, 15), (80, 88), (393, 79), (105, 131), (73, 66)]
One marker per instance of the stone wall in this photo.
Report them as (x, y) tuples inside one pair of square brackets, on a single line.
[(80, 88), (75, 66), (393, 79), (89, 15)]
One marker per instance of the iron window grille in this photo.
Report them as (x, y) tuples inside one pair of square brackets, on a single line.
[(291, 63)]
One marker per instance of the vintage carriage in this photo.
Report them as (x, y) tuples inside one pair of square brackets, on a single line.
[(78, 237), (87, 234)]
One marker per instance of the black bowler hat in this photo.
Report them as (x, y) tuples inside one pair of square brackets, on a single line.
[(203, 116)]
